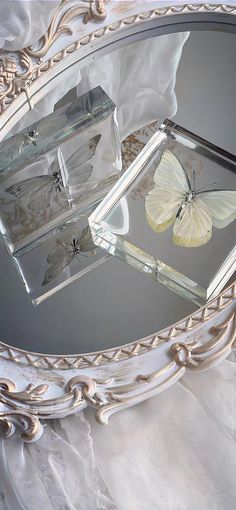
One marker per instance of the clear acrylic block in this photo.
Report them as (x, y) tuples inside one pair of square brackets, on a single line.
[(172, 214), (58, 258), (58, 166)]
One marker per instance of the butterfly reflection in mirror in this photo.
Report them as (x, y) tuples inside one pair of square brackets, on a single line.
[(66, 249), (39, 193), (174, 201)]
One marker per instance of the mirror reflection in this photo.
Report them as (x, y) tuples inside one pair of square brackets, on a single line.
[(60, 292)]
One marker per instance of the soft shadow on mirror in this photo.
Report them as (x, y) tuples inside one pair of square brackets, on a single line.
[(87, 300)]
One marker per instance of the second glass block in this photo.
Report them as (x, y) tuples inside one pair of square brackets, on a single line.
[(59, 166), (172, 214)]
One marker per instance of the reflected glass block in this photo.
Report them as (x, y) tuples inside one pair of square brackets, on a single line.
[(58, 258), (58, 166), (172, 214)]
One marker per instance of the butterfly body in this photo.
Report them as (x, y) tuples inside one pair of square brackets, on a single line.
[(186, 200), (32, 135), (173, 201), (57, 180), (75, 247)]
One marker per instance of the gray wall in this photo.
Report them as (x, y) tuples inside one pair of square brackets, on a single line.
[(205, 88)]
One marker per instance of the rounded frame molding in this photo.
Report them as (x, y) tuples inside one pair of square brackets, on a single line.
[(136, 348), (36, 386)]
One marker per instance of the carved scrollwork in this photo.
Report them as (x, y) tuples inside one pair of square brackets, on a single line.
[(18, 416), (30, 394), (26, 408), (13, 81), (20, 68), (199, 357), (7, 74), (29, 424), (97, 11), (60, 24)]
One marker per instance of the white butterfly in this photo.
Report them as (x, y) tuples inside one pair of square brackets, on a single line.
[(38, 193), (65, 250), (173, 201)]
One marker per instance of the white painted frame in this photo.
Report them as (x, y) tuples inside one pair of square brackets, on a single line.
[(35, 387)]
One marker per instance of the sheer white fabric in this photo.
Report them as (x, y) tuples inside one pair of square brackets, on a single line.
[(23, 22), (176, 451), (56, 473), (173, 452), (139, 78)]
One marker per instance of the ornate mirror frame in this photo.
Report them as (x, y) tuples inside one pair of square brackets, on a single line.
[(35, 387)]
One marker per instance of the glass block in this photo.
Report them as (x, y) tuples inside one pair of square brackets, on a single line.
[(58, 258), (58, 166), (172, 214)]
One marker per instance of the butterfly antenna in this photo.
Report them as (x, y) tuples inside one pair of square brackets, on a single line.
[(194, 181), (208, 185)]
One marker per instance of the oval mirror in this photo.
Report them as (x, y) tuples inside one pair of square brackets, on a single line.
[(188, 77)]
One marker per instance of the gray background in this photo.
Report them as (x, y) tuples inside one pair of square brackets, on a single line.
[(205, 87)]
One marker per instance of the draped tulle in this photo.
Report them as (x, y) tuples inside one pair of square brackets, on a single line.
[(58, 472), (23, 22), (175, 451)]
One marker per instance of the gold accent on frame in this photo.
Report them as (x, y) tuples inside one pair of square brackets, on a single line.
[(61, 19), (28, 423), (197, 357), (7, 74), (25, 408), (48, 362)]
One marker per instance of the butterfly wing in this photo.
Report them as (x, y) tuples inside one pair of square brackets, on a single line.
[(44, 198), (59, 258), (58, 252), (171, 175), (86, 240), (171, 184), (221, 205), (161, 209), (193, 227), (36, 193), (80, 160)]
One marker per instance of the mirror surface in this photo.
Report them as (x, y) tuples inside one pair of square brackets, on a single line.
[(189, 78)]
